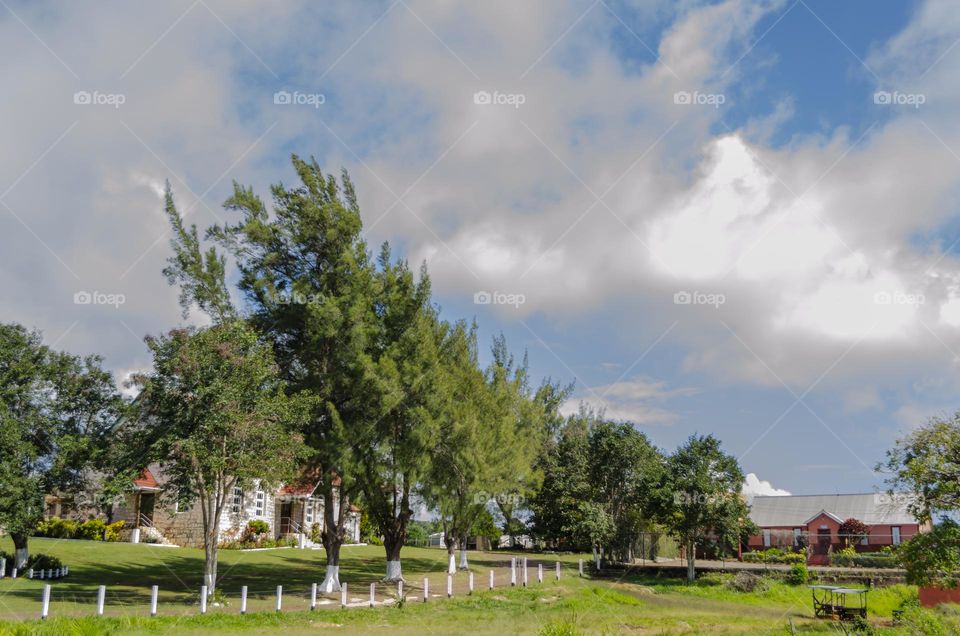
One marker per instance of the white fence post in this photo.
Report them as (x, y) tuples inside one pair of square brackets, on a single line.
[(426, 589), (526, 572), (135, 536), (491, 579), (101, 597), (3, 567), (558, 570), (153, 600), (313, 597), (13, 574), (343, 595), (243, 599), (203, 599), (513, 571), (279, 597), (46, 602), (373, 594), (449, 585), (580, 567), (470, 581), (539, 572), (400, 589), (30, 573)]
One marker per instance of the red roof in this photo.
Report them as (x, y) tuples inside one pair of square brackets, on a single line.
[(146, 481)]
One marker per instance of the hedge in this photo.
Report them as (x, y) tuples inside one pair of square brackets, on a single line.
[(864, 560)]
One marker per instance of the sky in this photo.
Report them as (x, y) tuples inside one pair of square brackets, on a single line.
[(730, 217)]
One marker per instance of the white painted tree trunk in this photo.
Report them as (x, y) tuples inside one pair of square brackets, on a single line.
[(394, 573), (451, 564), (331, 583), (20, 558), (463, 559)]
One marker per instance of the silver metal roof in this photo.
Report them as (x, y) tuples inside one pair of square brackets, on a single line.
[(797, 510)]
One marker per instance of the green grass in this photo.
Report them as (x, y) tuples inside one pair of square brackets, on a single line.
[(633, 604)]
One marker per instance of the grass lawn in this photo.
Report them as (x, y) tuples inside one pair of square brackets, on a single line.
[(635, 604)]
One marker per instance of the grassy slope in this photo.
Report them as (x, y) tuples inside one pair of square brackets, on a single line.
[(634, 605)]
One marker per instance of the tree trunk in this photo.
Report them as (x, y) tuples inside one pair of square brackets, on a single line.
[(691, 557), (21, 553), (393, 546), (451, 542), (463, 554), (331, 582), (210, 563)]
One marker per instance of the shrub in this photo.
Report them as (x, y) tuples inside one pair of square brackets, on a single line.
[(747, 582), (56, 528), (315, 532), (870, 560), (798, 574), (258, 526), (774, 555), (113, 531), (91, 530), (43, 562)]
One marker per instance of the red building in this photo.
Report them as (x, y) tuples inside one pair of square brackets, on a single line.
[(814, 520)]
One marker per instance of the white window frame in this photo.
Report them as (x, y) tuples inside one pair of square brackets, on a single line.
[(259, 502), (236, 504), (766, 537), (181, 504), (896, 535), (309, 512)]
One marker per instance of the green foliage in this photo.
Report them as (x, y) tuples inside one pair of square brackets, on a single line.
[(43, 562), (933, 558), (258, 526), (864, 560), (560, 628), (774, 555), (417, 533), (701, 495), (798, 574), (113, 530), (91, 530), (56, 528), (55, 411), (852, 531), (924, 462)]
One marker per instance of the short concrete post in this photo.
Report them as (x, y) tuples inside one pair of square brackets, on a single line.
[(470, 582), (101, 597), (302, 541), (3, 567), (539, 572), (400, 589), (513, 571), (558, 570), (373, 594), (50, 573), (491, 579), (243, 599), (135, 535), (45, 609), (30, 573), (13, 574), (313, 597), (526, 572), (279, 597), (580, 567), (449, 585), (203, 599), (426, 589), (153, 600), (343, 595), (66, 570)]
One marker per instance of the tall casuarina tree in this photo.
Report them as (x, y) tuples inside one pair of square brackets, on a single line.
[(308, 286)]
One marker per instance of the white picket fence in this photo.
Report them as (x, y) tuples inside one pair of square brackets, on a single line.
[(519, 569)]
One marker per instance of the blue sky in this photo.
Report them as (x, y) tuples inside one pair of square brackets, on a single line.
[(730, 217)]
